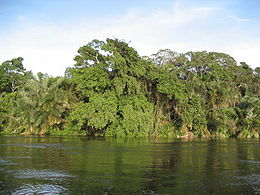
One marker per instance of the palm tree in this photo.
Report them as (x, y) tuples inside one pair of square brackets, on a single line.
[(42, 105)]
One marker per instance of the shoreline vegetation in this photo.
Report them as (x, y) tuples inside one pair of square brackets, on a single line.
[(113, 91)]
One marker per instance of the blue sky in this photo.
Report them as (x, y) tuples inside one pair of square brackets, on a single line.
[(48, 33)]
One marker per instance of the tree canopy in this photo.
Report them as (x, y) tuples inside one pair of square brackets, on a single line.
[(113, 91)]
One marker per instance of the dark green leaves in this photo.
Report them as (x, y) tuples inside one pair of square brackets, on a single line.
[(113, 91)]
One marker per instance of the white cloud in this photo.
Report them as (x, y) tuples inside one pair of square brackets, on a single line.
[(239, 19), (49, 47), (248, 52)]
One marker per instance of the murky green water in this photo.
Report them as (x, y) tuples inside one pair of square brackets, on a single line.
[(73, 165)]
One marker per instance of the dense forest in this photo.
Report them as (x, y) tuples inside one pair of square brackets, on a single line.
[(113, 91)]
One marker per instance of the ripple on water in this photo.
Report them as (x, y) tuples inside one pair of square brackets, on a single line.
[(40, 189), (249, 180), (18, 157), (251, 161), (42, 174), (35, 146), (40, 146), (6, 162)]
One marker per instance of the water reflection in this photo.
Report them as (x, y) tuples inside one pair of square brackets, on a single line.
[(41, 174), (40, 189), (75, 165)]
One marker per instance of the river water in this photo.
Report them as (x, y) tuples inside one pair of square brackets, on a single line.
[(80, 165)]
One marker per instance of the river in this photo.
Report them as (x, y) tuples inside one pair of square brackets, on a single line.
[(82, 165)]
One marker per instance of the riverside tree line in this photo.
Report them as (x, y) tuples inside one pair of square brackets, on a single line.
[(113, 91)]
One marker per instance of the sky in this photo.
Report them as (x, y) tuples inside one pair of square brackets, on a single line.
[(48, 33)]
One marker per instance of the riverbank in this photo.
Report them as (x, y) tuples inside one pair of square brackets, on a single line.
[(187, 135)]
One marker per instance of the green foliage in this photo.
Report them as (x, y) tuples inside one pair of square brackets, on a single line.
[(94, 115), (12, 75), (6, 108), (248, 111), (134, 117), (108, 79), (39, 106), (112, 91)]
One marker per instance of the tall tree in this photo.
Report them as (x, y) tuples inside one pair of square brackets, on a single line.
[(109, 77), (12, 75)]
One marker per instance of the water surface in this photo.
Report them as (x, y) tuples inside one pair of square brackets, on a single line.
[(79, 165)]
